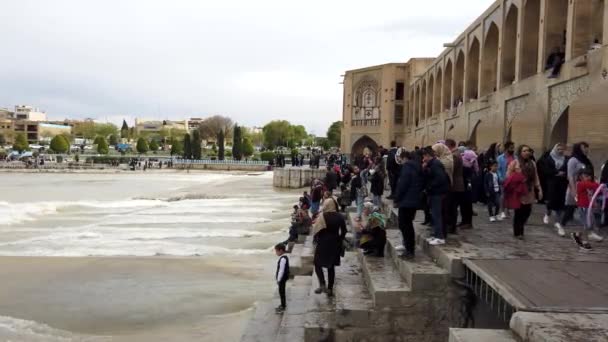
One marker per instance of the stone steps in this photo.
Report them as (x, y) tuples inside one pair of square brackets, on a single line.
[(291, 326), (299, 266), (481, 335), (351, 306), (383, 281), (421, 274), (265, 324)]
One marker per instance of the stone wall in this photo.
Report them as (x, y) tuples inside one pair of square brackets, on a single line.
[(295, 177)]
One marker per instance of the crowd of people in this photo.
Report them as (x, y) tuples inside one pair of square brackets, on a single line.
[(444, 181)]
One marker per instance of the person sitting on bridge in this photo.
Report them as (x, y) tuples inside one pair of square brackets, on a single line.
[(555, 62)]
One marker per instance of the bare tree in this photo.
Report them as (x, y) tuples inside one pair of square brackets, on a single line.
[(211, 127)]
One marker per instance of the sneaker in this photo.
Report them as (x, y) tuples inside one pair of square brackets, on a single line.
[(560, 230), (400, 248), (437, 242), (546, 219), (593, 236), (430, 238), (576, 238), (320, 290), (585, 247), (279, 309), (503, 215), (408, 256), (492, 219), (499, 217)]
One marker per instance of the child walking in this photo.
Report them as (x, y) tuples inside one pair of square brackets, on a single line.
[(282, 275), (492, 189), (585, 187)]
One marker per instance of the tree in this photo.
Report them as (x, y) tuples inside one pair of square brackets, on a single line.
[(334, 134), (211, 127), (296, 136), (113, 140), (248, 149), (196, 145), (59, 144), (153, 146), (276, 133), (85, 129), (105, 129), (187, 147), (102, 145), (176, 147), (237, 143), (324, 143), (142, 145), (220, 144), (124, 130), (21, 143)]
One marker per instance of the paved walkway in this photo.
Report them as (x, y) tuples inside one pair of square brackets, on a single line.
[(495, 240)]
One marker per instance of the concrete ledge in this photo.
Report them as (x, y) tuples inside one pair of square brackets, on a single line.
[(560, 327), (383, 281), (422, 274), (481, 335)]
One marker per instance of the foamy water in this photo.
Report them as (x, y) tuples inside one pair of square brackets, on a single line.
[(229, 221)]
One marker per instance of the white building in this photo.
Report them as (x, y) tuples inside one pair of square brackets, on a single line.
[(29, 113)]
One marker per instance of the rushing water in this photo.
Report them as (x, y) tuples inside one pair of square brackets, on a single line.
[(227, 223)]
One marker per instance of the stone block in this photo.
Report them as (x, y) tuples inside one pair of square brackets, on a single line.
[(560, 327), (383, 281), (422, 274), (481, 335)]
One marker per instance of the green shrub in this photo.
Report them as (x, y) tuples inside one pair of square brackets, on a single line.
[(267, 156)]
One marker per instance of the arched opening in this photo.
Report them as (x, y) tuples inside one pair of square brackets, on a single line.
[(459, 79), (417, 106), (429, 98), (447, 86), (556, 22), (410, 114), (473, 137), (509, 45), (489, 62), (588, 30), (559, 133), (529, 55), (437, 93), (423, 101), (473, 71), (362, 144)]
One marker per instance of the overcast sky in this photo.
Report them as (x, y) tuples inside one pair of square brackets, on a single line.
[(254, 61)]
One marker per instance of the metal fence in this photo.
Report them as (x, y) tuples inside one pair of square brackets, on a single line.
[(219, 162)]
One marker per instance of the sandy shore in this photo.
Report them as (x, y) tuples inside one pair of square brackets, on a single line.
[(118, 298)]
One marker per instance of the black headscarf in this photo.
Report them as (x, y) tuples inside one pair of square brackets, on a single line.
[(577, 152)]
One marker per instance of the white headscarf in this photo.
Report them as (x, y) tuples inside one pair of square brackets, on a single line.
[(557, 158)]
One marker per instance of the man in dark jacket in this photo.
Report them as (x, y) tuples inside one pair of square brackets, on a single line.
[(393, 169), (437, 187), (407, 199), (331, 179)]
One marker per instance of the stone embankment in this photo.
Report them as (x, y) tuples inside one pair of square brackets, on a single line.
[(437, 296), (296, 177)]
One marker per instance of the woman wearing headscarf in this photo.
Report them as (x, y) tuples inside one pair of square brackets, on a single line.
[(470, 171), (520, 188), (444, 155), (373, 235), (577, 163), (554, 170), (329, 231)]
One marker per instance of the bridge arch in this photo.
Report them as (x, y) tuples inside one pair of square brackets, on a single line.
[(362, 144), (472, 82), (489, 63), (528, 64), (509, 47)]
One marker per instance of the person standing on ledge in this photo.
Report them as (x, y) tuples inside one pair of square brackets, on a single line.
[(393, 169), (522, 181), (282, 275), (407, 198), (329, 231)]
